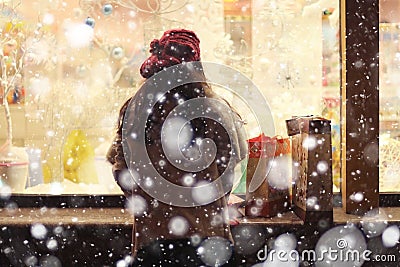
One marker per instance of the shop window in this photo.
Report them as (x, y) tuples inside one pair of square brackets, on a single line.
[(80, 63), (78, 67)]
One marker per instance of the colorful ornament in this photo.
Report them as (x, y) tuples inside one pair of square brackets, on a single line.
[(90, 21), (107, 9), (117, 52)]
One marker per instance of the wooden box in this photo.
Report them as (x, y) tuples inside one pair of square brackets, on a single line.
[(312, 195)]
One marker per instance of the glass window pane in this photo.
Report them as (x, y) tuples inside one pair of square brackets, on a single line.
[(296, 62), (80, 62), (389, 74)]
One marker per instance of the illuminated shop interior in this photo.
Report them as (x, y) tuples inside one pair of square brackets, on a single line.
[(67, 67)]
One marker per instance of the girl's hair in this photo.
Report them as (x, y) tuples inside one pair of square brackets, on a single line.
[(121, 116), (188, 91)]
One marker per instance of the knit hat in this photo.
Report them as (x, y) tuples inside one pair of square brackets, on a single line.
[(174, 47)]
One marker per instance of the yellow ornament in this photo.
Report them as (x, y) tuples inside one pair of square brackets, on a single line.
[(13, 26), (47, 177), (78, 159)]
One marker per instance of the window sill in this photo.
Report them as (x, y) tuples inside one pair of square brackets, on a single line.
[(121, 217), (66, 216)]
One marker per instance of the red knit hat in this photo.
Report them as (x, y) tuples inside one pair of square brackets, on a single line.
[(174, 47)]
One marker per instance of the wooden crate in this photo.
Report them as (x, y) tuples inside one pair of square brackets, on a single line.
[(312, 168)]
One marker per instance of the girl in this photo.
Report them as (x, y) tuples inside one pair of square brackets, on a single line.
[(165, 233)]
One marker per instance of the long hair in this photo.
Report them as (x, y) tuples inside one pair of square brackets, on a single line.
[(186, 91)]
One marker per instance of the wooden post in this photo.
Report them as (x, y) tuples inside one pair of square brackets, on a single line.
[(360, 105)]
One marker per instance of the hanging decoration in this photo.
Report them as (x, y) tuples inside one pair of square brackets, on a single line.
[(107, 9), (288, 76)]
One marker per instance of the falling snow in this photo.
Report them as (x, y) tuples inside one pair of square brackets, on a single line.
[(79, 77)]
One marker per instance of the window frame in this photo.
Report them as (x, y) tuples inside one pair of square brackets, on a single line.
[(359, 76)]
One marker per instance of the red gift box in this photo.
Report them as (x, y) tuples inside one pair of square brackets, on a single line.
[(276, 146), (264, 199)]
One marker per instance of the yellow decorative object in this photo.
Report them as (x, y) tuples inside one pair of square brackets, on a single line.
[(46, 173), (12, 26), (78, 159)]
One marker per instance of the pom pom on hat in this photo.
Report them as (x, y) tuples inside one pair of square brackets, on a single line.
[(174, 47)]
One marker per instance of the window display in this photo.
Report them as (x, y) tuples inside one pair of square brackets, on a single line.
[(317, 93), (79, 60)]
